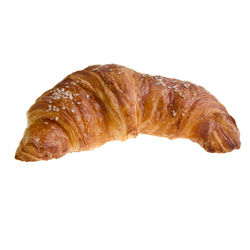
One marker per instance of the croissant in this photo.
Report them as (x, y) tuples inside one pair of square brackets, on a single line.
[(111, 102)]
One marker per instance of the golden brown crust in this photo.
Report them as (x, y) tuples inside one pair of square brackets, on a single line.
[(111, 102)]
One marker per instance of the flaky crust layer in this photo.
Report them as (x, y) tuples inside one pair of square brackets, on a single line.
[(111, 102)]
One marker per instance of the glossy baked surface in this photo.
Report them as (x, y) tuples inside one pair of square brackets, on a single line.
[(110, 102)]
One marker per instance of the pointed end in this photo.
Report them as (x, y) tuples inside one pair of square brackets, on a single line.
[(43, 142)]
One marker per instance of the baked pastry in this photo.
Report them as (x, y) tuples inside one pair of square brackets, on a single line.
[(110, 102)]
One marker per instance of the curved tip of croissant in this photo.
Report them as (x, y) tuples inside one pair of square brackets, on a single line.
[(24, 156), (223, 145), (220, 135), (43, 143)]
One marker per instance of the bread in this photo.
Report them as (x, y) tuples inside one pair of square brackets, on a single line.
[(110, 102)]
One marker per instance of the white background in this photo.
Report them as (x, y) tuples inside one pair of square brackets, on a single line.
[(145, 193)]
